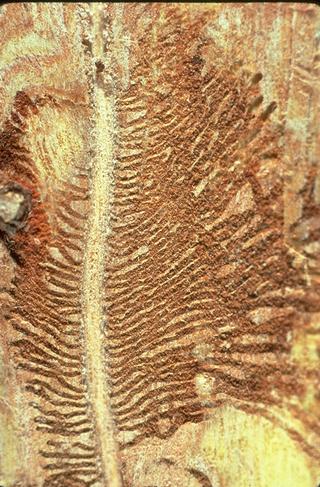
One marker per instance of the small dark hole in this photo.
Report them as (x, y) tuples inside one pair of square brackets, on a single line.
[(99, 66)]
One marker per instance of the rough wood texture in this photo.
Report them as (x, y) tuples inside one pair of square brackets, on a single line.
[(159, 219)]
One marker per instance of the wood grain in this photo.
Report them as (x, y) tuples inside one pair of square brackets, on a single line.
[(159, 224)]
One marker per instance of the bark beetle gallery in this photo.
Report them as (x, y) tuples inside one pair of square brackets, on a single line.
[(159, 221)]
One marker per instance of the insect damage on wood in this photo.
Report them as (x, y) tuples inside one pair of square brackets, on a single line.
[(158, 184), (15, 205)]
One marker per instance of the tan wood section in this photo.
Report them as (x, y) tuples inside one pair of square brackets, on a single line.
[(159, 245)]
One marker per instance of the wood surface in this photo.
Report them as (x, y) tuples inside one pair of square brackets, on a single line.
[(160, 253)]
